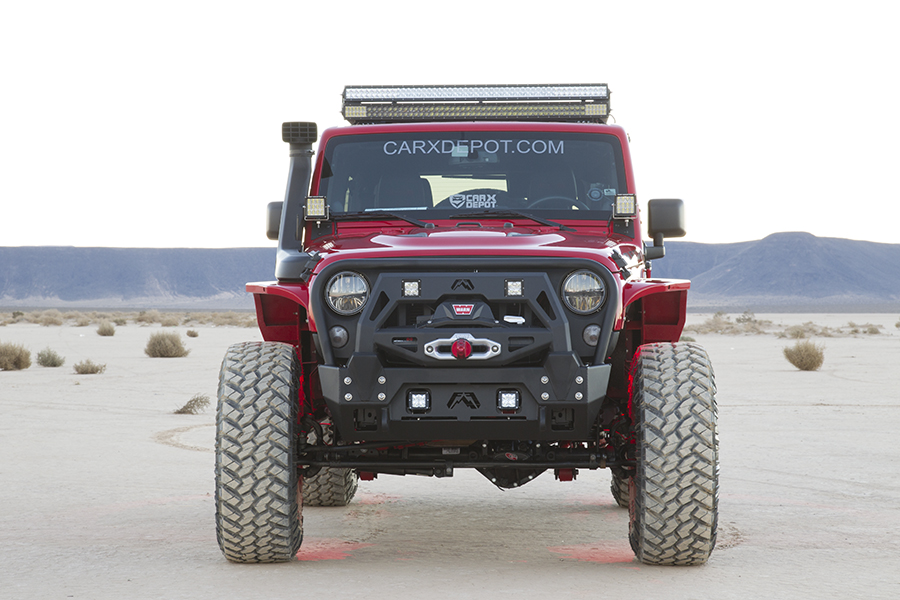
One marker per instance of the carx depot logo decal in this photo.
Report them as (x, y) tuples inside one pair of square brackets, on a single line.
[(473, 200)]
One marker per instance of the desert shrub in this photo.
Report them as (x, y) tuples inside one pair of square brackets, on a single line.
[(170, 321), (88, 367), (50, 358), (106, 329), (18, 314), (745, 317), (687, 338), (165, 344), (80, 320), (795, 332), (120, 321), (194, 406), (233, 319), (715, 324), (50, 317), (806, 330), (222, 319), (805, 355), (192, 333), (721, 323), (148, 317), (856, 328), (14, 357)]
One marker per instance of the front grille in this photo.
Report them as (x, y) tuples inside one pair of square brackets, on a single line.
[(420, 314), (462, 296)]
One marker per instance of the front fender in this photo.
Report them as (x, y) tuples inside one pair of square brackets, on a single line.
[(281, 310), (663, 308)]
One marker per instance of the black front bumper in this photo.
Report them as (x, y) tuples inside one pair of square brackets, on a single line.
[(371, 404), (531, 345)]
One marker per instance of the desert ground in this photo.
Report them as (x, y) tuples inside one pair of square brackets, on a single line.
[(105, 493)]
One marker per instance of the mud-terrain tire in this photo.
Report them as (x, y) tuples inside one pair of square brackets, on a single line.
[(258, 497), (620, 490), (673, 511), (330, 486)]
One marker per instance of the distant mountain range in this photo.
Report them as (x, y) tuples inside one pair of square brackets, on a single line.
[(782, 272), (788, 272), (54, 276)]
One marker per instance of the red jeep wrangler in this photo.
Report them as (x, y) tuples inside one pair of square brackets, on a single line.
[(462, 282)]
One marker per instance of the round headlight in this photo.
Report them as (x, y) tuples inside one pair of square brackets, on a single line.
[(584, 292), (347, 293)]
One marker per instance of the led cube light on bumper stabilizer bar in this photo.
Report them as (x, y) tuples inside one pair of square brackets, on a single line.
[(398, 104)]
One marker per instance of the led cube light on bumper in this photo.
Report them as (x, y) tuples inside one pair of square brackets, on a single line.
[(411, 288), (418, 401), (508, 400)]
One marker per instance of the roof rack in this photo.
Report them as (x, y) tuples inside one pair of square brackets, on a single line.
[(422, 103)]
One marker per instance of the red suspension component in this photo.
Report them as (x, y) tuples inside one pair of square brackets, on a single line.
[(565, 474)]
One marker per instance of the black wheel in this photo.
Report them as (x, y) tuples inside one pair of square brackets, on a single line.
[(675, 490), (619, 487), (258, 498), (330, 486)]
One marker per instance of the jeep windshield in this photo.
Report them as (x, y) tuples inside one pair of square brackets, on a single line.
[(439, 175)]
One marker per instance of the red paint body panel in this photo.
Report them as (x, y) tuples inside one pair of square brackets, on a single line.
[(281, 310), (663, 307), (387, 238), (381, 239), (371, 241)]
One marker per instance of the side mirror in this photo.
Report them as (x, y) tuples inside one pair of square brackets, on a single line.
[(273, 219), (665, 218)]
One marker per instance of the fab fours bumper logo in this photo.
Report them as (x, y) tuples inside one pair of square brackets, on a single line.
[(473, 200)]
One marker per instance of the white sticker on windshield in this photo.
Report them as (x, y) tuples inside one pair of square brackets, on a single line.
[(609, 192), (460, 151), (473, 200)]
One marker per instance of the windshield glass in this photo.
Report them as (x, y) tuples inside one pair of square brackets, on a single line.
[(551, 174)]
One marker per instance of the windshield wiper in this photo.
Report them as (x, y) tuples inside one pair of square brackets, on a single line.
[(364, 215), (500, 214)]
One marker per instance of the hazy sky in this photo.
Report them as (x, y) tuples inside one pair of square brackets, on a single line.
[(143, 124)]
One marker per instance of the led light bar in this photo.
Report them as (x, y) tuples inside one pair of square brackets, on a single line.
[(393, 113), (389, 104), (424, 93)]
